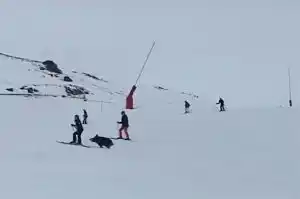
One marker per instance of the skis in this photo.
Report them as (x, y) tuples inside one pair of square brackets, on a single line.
[(116, 138), (85, 146), (75, 144)]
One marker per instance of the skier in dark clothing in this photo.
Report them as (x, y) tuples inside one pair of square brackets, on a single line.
[(125, 125), (187, 107), (85, 116), (221, 102), (79, 130)]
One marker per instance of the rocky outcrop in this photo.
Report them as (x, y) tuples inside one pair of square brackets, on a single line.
[(94, 77), (10, 89), (29, 89), (67, 79), (160, 88), (75, 90), (52, 67)]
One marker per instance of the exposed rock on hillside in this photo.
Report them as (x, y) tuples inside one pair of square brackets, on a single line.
[(52, 67), (75, 90), (95, 77), (29, 89), (160, 88), (10, 89), (67, 79)]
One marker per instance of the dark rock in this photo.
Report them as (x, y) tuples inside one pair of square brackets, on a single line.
[(10, 89), (67, 79), (75, 90), (91, 76), (160, 88), (52, 67), (94, 77), (30, 90)]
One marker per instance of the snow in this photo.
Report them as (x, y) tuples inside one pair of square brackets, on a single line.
[(206, 154), (249, 152)]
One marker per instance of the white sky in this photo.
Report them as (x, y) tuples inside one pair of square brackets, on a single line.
[(237, 49)]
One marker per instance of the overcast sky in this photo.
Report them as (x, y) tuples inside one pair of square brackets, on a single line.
[(236, 49)]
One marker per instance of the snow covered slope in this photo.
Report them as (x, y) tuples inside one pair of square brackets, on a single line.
[(240, 154)]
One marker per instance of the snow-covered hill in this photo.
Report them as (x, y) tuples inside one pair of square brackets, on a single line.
[(240, 50), (238, 154), (22, 77)]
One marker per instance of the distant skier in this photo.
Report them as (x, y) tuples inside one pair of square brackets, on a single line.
[(84, 98), (221, 102), (79, 130), (85, 116), (125, 124), (187, 107)]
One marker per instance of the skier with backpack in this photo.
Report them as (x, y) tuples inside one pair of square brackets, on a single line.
[(78, 132)]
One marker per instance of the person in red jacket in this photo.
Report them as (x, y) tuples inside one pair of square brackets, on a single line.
[(125, 125)]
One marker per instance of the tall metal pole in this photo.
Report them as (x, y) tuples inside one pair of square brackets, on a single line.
[(145, 63), (290, 88)]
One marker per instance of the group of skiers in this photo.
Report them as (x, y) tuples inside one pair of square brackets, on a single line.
[(124, 122), (187, 106), (79, 127)]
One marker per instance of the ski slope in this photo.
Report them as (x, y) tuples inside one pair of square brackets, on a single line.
[(210, 47), (239, 154)]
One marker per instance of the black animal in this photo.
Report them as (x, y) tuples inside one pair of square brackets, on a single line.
[(102, 141)]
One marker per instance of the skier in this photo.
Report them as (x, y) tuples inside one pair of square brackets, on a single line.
[(221, 102), (85, 116), (186, 106), (125, 125), (79, 130)]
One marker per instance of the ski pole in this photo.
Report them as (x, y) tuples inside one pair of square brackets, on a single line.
[(73, 128)]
